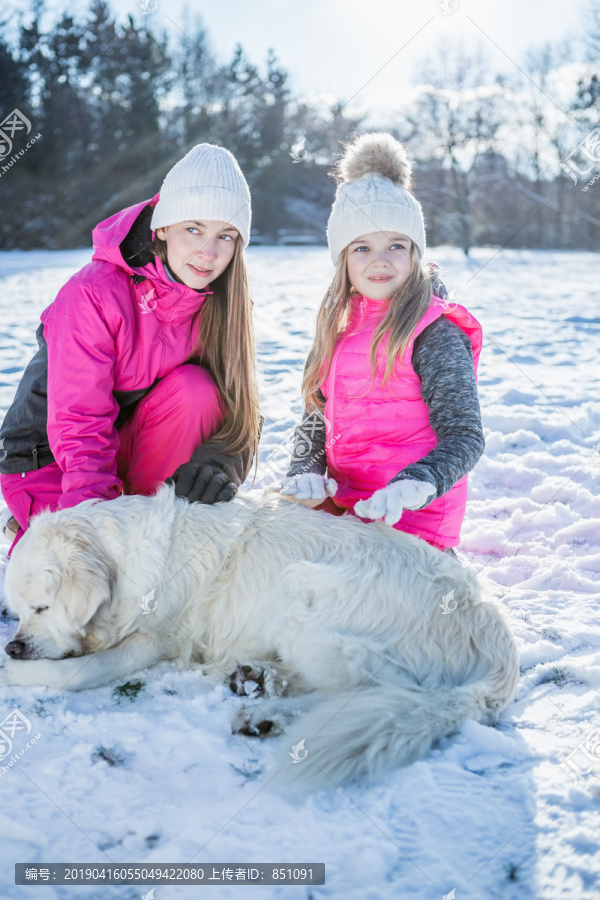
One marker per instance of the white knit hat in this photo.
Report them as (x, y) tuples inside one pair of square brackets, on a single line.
[(206, 184), (374, 194)]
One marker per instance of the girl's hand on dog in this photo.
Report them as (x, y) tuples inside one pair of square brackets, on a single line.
[(390, 502), (309, 489)]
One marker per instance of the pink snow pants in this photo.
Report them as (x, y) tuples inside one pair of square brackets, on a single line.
[(181, 412)]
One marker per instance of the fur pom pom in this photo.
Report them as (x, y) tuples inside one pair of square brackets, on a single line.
[(376, 153)]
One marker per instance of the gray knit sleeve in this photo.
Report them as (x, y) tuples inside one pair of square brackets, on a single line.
[(443, 359), (308, 452)]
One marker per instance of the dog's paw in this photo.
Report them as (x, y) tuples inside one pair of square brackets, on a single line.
[(13, 672), (248, 681), (256, 680), (254, 724), (26, 673)]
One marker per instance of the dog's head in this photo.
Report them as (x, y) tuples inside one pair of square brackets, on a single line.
[(56, 580)]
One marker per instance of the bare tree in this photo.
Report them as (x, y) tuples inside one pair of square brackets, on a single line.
[(454, 121), (541, 118)]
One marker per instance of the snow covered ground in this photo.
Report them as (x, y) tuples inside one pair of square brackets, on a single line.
[(158, 777)]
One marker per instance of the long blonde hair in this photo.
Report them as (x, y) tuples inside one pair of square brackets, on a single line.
[(406, 308), (226, 343)]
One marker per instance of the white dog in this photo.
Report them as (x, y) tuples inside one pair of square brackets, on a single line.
[(394, 631)]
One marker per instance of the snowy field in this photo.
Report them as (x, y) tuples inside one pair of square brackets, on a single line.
[(491, 813)]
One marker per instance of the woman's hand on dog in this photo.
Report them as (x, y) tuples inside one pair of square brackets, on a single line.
[(205, 483), (309, 489)]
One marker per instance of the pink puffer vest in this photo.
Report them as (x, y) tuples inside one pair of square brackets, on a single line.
[(376, 432)]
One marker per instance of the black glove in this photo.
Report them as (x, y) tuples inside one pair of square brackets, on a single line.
[(204, 483)]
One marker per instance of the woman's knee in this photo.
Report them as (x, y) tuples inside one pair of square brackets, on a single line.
[(191, 386)]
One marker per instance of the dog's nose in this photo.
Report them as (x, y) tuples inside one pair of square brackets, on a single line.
[(16, 649)]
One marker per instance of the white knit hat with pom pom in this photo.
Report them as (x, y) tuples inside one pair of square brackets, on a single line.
[(374, 194)]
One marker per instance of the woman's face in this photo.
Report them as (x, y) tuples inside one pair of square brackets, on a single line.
[(379, 263), (199, 251)]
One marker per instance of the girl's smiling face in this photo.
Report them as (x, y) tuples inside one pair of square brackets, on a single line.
[(379, 263), (199, 251)]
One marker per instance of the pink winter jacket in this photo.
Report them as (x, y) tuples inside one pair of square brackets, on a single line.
[(106, 333), (376, 432)]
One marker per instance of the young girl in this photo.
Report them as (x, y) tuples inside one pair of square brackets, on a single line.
[(392, 368), (145, 367)]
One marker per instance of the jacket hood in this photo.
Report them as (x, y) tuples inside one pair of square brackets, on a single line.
[(108, 235), (123, 240)]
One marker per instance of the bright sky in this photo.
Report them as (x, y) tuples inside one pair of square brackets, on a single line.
[(365, 49)]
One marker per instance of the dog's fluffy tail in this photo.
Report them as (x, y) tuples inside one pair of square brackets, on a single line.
[(368, 730)]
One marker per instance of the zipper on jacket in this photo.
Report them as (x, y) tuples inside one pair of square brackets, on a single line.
[(336, 355), (362, 311)]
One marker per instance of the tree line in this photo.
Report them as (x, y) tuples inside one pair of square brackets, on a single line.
[(499, 161)]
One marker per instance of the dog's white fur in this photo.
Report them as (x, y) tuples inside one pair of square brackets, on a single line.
[(331, 603)]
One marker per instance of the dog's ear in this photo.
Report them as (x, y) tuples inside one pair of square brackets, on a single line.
[(86, 576)]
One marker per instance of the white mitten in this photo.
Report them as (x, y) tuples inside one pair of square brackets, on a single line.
[(309, 489), (389, 502)]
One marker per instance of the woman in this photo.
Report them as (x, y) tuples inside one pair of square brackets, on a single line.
[(145, 367)]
